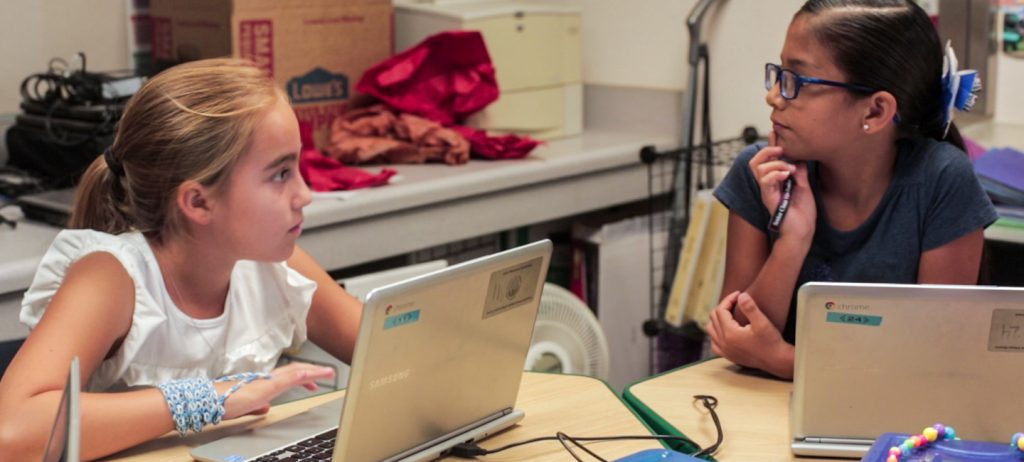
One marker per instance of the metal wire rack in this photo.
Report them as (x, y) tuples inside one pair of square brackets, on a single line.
[(700, 168)]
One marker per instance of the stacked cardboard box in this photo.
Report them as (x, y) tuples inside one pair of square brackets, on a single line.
[(315, 49)]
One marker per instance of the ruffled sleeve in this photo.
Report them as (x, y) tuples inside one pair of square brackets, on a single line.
[(68, 247)]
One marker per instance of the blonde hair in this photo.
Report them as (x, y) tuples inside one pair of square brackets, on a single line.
[(190, 122)]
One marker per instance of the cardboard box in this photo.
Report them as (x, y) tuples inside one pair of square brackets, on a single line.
[(536, 50), (315, 49)]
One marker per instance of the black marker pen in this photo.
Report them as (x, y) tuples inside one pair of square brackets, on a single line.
[(780, 213)]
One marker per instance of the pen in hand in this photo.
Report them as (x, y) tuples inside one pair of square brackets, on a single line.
[(787, 193), (780, 212)]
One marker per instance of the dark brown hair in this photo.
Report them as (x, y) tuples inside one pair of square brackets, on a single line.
[(889, 45)]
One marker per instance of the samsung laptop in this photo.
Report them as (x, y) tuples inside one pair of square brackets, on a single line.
[(438, 362), (65, 439), (876, 358)]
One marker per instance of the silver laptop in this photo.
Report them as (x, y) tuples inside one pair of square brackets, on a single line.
[(876, 358), (438, 362), (65, 438)]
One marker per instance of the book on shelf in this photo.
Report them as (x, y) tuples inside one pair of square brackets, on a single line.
[(700, 268)]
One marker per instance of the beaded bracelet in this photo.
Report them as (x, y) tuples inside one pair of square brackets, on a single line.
[(194, 402), (938, 432), (243, 378)]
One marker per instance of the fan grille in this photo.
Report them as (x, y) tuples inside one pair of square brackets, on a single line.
[(567, 328)]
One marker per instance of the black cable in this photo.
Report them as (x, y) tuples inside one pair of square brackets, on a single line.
[(710, 402), (70, 105), (472, 450), (562, 438)]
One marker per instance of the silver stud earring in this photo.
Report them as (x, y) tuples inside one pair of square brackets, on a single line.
[(866, 127)]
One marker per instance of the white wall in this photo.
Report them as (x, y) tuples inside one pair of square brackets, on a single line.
[(34, 31), (639, 43), (644, 44), (742, 35), (1009, 91)]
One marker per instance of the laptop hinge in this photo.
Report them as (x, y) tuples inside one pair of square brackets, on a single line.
[(828, 440), (453, 435)]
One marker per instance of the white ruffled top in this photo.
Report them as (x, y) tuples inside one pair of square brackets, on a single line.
[(264, 314)]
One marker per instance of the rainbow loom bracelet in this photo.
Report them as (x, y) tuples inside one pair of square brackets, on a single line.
[(938, 432), (194, 403)]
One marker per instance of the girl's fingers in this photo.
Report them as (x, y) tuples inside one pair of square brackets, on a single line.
[(310, 375), (777, 165), (709, 329), (771, 189), (766, 154), (717, 325)]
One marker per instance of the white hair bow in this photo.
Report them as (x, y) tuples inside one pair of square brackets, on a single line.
[(958, 87)]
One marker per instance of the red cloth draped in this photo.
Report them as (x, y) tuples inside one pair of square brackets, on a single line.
[(323, 173), (445, 78), (496, 147)]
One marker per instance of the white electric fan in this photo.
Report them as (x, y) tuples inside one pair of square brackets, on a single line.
[(567, 337)]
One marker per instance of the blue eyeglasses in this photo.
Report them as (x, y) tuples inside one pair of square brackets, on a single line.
[(790, 82)]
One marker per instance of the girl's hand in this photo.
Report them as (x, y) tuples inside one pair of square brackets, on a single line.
[(255, 397), (771, 172), (758, 344)]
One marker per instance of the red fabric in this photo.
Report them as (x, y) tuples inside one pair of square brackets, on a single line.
[(377, 134), (323, 173), (445, 78), (496, 147)]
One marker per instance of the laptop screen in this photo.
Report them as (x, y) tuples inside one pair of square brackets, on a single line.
[(63, 445), (438, 361), (875, 358)]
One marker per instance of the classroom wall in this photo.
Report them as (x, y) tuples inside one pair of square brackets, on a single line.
[(645, 44), (1009, 104), (640, 44), (34, 31), (1010, 97)]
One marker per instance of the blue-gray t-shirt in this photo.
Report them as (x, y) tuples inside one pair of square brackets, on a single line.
[(933, 199)]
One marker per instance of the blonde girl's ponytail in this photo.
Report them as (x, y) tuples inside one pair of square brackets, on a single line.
[(99, 197)]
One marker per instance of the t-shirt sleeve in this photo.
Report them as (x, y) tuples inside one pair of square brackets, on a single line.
[(739, 191), (958, 204)]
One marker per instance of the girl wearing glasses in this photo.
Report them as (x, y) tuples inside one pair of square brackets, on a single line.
[(881, 190)]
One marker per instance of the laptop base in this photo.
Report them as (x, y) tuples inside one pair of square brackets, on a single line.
[(272, 437), (287, 432), (817, 447)]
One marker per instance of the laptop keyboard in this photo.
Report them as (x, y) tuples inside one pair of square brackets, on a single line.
[(315, 448)]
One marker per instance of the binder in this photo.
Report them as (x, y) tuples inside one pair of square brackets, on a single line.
[(700, 270)]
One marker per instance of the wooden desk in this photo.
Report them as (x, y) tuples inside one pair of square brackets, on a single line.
[(576, 405), (754, 409)]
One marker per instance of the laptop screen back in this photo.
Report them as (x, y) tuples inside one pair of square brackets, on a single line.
[(441, 351), (63, 444), (876, 358)]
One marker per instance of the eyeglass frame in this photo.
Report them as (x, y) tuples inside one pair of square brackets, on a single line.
[(801, 81)]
